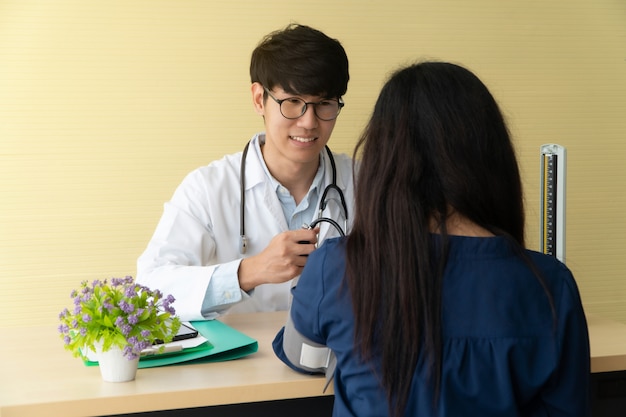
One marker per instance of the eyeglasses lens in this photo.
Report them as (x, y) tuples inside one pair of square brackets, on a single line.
[(293, 108)]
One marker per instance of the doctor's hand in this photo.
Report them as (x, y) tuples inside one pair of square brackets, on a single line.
[(282, 260)]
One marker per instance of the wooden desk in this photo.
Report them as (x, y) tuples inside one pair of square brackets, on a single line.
[(39, 378), (607, 339), (608, 367)]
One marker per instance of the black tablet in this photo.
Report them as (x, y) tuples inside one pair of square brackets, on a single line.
[(185, 332)]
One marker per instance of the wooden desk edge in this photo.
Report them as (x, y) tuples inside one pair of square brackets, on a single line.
[(143, 403)]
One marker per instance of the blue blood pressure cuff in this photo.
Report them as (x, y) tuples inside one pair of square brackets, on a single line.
[(306, 355)]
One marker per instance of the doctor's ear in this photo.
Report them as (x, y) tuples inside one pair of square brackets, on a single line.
[(257, 98)]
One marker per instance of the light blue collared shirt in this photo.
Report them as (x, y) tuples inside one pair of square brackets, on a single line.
[(303, 213)]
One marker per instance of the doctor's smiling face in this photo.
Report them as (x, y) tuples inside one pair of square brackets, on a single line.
[(294, 143)]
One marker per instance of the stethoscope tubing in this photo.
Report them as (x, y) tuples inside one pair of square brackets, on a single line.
[(243, 240)]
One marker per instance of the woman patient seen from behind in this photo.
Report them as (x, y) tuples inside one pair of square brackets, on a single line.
[(433, 305)]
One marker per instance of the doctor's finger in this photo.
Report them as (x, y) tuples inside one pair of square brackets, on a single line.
[(300, 262), (304, 249), (306, 235)]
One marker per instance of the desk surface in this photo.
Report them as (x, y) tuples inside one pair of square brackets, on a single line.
[(607, 340), (43, 379)]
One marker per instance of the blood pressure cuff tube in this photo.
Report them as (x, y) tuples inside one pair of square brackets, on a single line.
[(307, 355)]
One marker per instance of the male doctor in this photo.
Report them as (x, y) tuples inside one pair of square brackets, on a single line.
[(199, 252)]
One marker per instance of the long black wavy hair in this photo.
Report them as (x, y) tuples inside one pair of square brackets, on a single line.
[(436, 140)]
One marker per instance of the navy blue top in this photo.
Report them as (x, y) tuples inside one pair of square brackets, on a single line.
[(502, 355)]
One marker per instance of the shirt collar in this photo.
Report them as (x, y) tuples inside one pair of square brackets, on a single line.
[(317, 183)]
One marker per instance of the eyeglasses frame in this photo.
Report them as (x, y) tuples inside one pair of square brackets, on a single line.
[(340, 102)]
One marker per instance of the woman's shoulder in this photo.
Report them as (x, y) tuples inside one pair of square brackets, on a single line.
[(326, 264), (551, 268), (330, 250)]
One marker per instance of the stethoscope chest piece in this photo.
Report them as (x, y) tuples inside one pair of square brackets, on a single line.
[(243, 241)]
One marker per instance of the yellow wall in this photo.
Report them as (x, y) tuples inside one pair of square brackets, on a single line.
[(106, 105)]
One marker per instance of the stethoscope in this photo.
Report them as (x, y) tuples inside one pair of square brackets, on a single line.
[(323, 202)]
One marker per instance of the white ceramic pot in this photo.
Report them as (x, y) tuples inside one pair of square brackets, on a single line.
[(114, 366)]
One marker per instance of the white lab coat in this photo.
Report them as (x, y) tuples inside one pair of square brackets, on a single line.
[(200, 230)]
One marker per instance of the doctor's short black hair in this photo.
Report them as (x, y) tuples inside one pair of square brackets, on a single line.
[(301, 60)]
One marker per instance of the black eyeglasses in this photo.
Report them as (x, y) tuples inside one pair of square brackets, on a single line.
[(294, 107)]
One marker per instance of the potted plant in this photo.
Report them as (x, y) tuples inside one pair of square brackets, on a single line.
[(119, 319)]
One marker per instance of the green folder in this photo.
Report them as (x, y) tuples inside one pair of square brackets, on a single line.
[(223, 344)]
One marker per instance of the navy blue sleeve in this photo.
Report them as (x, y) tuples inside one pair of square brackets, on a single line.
[(307, 296), (568, 393)]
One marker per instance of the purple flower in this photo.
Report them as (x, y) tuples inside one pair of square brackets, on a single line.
[(167, 304), (142, 345), (126, 307), (129, 352), (86, 318), (130, 292), (117, 282), (126, 329), (143, 288)]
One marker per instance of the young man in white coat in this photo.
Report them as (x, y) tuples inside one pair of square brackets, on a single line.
[(232, 237)]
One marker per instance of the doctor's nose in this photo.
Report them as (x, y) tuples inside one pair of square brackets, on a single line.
[(309, 119)]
